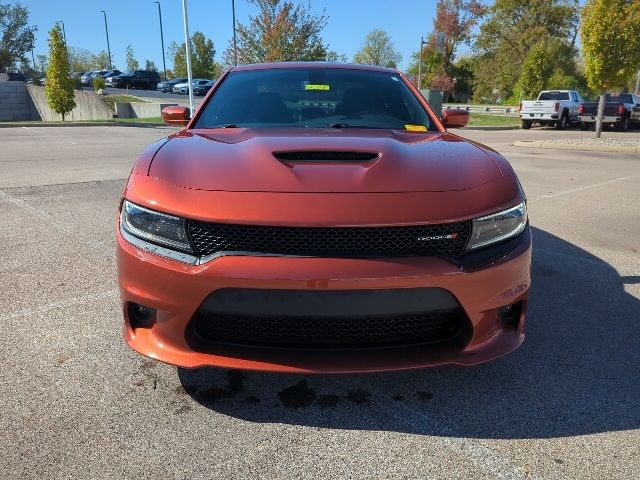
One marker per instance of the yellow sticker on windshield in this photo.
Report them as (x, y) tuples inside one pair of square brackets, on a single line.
[(416, 128), (310, 86)]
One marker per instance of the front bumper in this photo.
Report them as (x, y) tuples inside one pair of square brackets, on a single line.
[(177, 290)]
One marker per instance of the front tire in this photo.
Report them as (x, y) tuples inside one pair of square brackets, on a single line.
[(623, 126), (526, 124)]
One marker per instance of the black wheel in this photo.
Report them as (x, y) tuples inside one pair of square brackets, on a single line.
[(526, 124), (563, 122), (623, 126), (584, 126)]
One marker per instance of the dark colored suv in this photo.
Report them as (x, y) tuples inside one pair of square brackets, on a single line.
[(145, 79)]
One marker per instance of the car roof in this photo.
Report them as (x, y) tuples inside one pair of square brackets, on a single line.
[(307, 65)]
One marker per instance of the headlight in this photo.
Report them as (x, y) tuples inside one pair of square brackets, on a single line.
[(498, 226), (155, 227)]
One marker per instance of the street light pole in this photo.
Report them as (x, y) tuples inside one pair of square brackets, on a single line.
[(422, 43), (106, 29), (235, 43), (64, 38), (164, 63), (187, 46)]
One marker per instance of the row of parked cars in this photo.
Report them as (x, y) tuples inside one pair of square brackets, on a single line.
[(181, 86), (564, 108)]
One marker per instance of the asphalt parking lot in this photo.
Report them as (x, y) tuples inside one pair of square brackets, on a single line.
[(77, 403)]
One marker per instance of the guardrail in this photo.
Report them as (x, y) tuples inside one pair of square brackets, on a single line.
[(503, 109)]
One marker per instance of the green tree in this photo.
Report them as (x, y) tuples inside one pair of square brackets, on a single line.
[(203, 64), (203, 57), (59, 87), (130, 59), (16, 36), (378, 49), (535, 72), (280, 32), (512, 28), (610, 34), (42, 62), (177, 52), (150, 65)]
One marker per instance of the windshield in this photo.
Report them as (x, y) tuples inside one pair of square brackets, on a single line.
[(619, 97), (554, 96), (314, 97)]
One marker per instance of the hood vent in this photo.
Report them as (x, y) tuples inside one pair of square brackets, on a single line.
[(325, 156)]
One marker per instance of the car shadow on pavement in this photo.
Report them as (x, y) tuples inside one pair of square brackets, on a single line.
[(578, 371)]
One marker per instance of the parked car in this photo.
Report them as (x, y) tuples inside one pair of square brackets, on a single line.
[(111, 73), (183, 88), (202, 89), (167, 85), (144, 79), (557, 108), (16, 77), (315, 217), (621, 110), (87, 78)]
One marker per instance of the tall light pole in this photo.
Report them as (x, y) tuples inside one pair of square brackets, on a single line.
[(422, 44), (235, 43), (106, 30), (164, 63), (64, 38), (187, 46)]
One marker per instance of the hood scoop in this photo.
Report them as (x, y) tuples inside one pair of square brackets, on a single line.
[(325, 156)]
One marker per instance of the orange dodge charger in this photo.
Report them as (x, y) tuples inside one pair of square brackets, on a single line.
[(318, 217)]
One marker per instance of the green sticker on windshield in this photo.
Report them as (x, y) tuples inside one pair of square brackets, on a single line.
[(310, 86)]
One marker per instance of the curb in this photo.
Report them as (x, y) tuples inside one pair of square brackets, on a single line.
[(82, 124), (584, 148), (490, 128)]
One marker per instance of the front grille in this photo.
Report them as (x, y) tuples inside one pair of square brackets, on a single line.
[(288, 331), (420, 240), (325, 156)]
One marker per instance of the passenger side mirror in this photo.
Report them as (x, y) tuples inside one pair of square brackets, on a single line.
[(176, 116), (455, 118)]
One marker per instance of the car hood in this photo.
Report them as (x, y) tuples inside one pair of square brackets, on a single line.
[(243, 160)]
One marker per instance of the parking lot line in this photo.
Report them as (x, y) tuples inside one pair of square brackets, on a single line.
[(66, 303), (93, 243), (483, 457), (585, 187)]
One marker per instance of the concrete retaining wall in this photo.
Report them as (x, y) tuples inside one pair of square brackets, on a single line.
[(14, 102), (140, 109), (89, 106)]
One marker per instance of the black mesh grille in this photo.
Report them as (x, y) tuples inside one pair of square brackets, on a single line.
[(447, 239), (325, 156), (322, 332)]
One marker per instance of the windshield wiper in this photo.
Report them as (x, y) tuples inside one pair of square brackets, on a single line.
[(230, 125), (346, 125)]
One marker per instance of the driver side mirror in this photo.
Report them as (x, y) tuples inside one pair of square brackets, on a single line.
[(176, 115), (455, 118)]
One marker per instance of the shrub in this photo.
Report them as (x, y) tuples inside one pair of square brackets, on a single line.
[(98, 83), (77, 84)]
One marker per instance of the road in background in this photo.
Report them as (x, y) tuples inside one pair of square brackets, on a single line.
[(152, 95), (78, 403)]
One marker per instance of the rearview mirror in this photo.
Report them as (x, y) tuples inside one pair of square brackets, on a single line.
[(455, 118), (176, 115)]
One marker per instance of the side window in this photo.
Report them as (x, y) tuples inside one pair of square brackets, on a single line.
[(574, 97)]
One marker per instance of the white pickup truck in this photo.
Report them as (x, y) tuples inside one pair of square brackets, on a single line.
[(557, 108)]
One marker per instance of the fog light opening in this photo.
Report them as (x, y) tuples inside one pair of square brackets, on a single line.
[(510, 315), (141, 316)]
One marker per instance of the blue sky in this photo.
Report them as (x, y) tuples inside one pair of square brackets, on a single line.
[(135, 22)]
